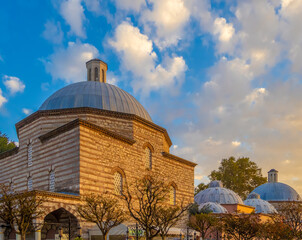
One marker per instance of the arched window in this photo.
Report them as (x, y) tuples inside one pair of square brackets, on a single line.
[(96, 74), (148, 158), (172, 195), (118, 183), (29, 154), (52, 181), (89, 74), (29, 184), (103, 75)]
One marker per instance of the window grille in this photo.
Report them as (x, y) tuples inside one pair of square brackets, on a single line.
[(52, 181), (96, 74), (118, 183), (148, 158), (172, 195), (29, 154), (30, 184)]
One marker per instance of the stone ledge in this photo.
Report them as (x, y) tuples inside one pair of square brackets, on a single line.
[(80, 122), (178, 159), (9, 153)]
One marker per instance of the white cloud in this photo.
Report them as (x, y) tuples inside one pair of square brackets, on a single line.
[(169, 18), (53, 32), (224, 30), (93, 6), (26, 111), (236, 143), (135, 5), (137, 56), (73, 13), (69, 64), (2, 99), (13, 84)]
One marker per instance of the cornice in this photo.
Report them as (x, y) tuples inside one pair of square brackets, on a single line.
[(9, 153), (56, 194), (87, 110), (79, 122), (173, 157)]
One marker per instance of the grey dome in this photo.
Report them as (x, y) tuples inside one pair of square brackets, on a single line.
[(213, 207), (218, 195), (95, 95), (260, 205), (215, 183), (276, 191)]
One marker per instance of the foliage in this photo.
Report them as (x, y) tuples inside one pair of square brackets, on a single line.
[(241, 175), (291, 213), (103, 210), (20, 209), (200, 187), (204, 223), (275, 229), (241, 226), (147, 203), (5, 144)]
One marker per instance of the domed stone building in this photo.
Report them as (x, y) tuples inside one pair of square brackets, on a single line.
[(261, 206), (276, 192), (227, 198), (88, 137)]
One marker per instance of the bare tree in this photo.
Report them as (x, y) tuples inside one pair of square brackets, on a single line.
[(28, 206), (20, 209), (168, 216), (103, 210), (146, 200)]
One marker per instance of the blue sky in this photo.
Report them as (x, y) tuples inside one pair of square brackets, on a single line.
[(224, 77)]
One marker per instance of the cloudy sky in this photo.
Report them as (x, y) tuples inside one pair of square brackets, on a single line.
[(223, 76)]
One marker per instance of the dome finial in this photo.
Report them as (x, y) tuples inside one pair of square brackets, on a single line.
[(272, 176), (96, 70)]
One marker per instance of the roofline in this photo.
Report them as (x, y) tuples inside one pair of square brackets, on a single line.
[(97, 59), (79, 122), (40, 113), (181, 160), (9, 153)]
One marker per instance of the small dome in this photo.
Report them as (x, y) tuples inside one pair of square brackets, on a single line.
[(253, 196), (94, 94), (276, 191), (260, 205), (217, 195), (215, 183), (212, 207)]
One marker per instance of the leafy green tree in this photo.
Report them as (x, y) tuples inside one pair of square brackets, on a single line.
[(5, 144), (200, 187), (241, 175), (203, 221)]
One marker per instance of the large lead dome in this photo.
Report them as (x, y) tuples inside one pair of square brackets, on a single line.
[(95, 93)]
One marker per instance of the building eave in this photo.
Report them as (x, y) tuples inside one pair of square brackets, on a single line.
[(87, 110), (178, 159)]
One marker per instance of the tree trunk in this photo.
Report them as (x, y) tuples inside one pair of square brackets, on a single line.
[(105, 236), (23, 236)]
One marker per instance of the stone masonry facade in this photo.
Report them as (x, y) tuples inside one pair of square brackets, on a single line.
[(85, 147)]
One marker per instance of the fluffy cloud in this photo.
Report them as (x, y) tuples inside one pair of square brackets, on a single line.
[(169, 19), (69, 64), (93, 6), (2, 99), (53, 32), (134, 5), (137, 56), (73, 13), (13, 84), (26, 111)]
